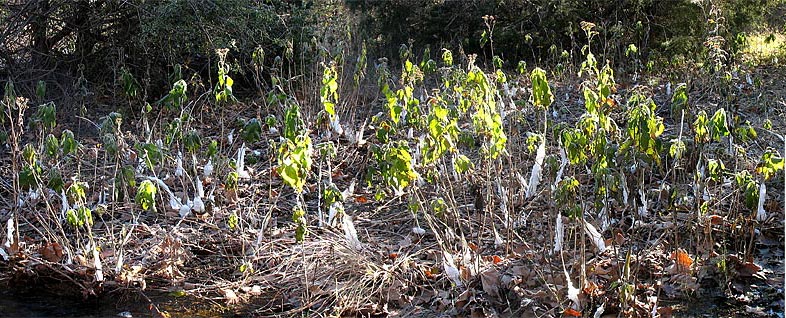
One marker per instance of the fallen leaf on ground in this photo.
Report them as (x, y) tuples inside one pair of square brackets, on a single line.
[(682, 260), (715, 219), (52, 252), (665, 312), (570, 312), (490, 281)]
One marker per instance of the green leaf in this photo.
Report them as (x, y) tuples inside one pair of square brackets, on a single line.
[(192, 141), (541, 92), (231, 180), (252, 131), (40, 90), (178, 293), (770, 164), (290, 175), (29, 154), (716, 169), (294, 162), (521, 67), (26, 177), (46, 116), (67, 142), (293, 124), (110, 124), (84, 216), (631, 50), (233, 221), (76, 192), (700, 129), (130, 85), (146, 195), (718, 126), (749, 188), (212, 148), (72, 219), (300, 233), (128, 175), (679, 101), (447, 57), (497, 61), (151, 153), (462, 164), (644, 127), (299, 217), (329, 90), (52, 146), (745, 132), (677, 149), (55, 180), (177, 95)]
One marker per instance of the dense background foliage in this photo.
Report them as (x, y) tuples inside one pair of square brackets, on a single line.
[(87, 38), (79, 41), (529, 29)]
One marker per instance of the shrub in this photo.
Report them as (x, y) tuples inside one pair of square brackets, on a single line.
[(543, 29)]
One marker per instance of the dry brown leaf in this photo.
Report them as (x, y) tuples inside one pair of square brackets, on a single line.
[(715, 219), (462, 299), (619, 238), (590, 288), (52, 252), (490, 281), (431, 273), (665, 312), (465, 273), (82, 261), (570, 312), (521, 271), (748, 269), (107, 253), (338, 173), (682, 260)]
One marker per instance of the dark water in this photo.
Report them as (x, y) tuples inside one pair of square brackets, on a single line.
[(130, 304), (40, 304)]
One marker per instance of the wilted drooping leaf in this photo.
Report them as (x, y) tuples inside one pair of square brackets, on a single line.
[(534, 179), (761, 214), (595, 236)]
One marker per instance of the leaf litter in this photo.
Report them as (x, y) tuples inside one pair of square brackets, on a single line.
[(382, 262)]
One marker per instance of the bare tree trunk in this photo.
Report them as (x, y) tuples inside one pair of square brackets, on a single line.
[(40, 42), (83, 25)]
